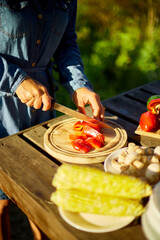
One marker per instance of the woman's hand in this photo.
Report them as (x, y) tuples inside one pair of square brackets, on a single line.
[(83, 96), (33, 93)]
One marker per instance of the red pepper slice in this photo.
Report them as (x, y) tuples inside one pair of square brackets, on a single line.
[(94, 142), (81, 145), (149, 122), (89, 131), (154, 106), (77, 135), (78, 126)]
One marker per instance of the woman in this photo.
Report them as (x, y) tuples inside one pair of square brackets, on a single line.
[(31, 34)]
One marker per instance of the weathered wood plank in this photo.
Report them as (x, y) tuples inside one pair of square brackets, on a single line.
[(26, 178), (128, 126), (35, 135), (153, 87), (139, 95), (126, 108)]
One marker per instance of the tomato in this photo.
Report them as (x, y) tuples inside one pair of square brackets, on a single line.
[(149, 122)]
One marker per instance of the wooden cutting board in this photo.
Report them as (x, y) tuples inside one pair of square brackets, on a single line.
[(58, 144)]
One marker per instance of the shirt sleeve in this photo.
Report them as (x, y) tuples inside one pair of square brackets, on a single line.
[(10, 77), (68, 59)]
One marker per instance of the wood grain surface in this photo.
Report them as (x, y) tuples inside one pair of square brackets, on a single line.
[(58, 144)]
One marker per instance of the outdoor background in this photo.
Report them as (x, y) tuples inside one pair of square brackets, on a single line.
[(119, 43)]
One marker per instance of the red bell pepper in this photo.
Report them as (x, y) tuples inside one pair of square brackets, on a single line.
[(77, 135), (78, 126), (149, 122), (90, 132), (153, 104), (81, 145), (94, 142), (87, 136)]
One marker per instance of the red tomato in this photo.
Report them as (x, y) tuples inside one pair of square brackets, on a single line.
[(149, 122)]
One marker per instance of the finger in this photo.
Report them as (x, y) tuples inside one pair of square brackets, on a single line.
[(98, 113), (30, 102), (102, 114), (37, 103), (46, 100), (25, 98), (97, 108), (82, 109)]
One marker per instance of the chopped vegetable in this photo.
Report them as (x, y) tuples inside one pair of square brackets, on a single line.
[(89, 131), (77, 135), (81, 201), (94, 142), (153, 104), (89, 179), (78, 126), (81, 145), (149, 122), (86, 137)]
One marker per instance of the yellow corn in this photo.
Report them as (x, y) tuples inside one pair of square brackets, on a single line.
[(94, 180), (81, 201)]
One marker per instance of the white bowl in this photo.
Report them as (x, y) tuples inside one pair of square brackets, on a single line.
[(108, 164), (151, 217), (145, 173)]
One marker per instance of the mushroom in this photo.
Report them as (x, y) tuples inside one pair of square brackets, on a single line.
[(152, 173), (122, 156), (130, 147), (131, 157), (157, 151)]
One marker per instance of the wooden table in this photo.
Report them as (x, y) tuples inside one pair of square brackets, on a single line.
[(26, 169)]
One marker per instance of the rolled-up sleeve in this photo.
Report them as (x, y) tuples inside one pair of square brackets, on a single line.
[(68, 59), (10, 77)]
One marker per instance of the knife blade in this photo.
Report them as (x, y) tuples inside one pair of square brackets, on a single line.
[(76, 114)]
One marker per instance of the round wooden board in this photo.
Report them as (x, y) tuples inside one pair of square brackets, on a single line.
[(58, 144)]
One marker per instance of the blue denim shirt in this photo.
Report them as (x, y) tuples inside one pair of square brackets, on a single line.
[(30, 36)]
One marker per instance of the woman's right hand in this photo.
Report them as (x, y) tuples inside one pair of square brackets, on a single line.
[(33, 93)]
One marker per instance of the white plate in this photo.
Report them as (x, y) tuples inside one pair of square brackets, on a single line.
[(93, 222), (108, 166)]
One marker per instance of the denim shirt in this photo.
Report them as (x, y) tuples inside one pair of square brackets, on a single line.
[(30, 36)]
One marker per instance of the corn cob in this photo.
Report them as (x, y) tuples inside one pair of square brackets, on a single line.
[(94, 180), (81, 201)]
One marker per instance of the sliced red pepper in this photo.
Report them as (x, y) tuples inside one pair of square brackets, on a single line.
[(94, 142), (77, 135), (149, 122), (81, 145), (153, 104), (89, 131), (78, 126)]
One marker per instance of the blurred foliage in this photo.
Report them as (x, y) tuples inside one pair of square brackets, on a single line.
[(119, 43)]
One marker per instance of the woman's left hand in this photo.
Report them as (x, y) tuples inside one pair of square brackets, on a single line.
[(83, 96)]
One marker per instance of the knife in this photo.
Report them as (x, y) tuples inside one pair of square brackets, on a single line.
[(78, 115)]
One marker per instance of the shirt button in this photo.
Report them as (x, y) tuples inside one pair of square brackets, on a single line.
[(38, 41), (33, 64), (40, 16)]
